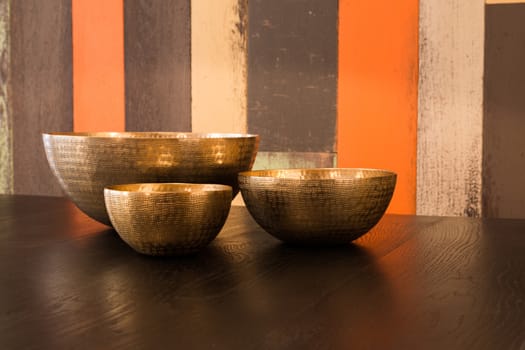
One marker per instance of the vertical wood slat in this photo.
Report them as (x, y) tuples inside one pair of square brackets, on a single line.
[(377, 95), (40, 95), (6, 151), (157, 65), (450, 107), (292, 74), (504, 110), (218, 65), (98, 65)]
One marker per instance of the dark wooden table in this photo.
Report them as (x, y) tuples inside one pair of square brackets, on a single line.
[(412, 282)]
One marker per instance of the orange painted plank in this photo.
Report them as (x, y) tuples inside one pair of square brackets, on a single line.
[(377, 92), (98, 65)]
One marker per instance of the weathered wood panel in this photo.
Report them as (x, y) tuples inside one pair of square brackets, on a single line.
[(98, 65), (157, 65), (504, 111), (6, 150), (218, 65), (40, 96), (292, 74), (450, 111)]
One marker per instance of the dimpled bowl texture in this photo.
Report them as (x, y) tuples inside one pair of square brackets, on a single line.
[(317, 206), (85, 163), (168, 218)]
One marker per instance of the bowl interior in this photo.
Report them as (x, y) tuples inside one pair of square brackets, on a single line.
[(319, 173), (169, 188), (153, 135)]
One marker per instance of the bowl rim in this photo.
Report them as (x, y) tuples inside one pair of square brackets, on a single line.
[(173, 188), (270, 173), (149, 135)]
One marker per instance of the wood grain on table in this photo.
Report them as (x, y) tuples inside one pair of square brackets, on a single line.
[(412, 282)]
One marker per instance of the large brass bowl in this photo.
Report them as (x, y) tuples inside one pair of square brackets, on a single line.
[(168, 218), (85, 163), (317, 206)]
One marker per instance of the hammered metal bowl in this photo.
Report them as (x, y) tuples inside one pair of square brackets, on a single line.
[(317, 206), (168, 218), (85, 163)]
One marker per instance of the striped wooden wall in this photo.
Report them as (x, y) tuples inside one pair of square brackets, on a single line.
[(324, 82)]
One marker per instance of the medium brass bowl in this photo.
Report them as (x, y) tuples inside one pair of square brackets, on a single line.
[(85, 163), (168, 218), (317, 206)]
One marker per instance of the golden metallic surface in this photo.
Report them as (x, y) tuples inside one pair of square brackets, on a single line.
[(85, 163), (317, 206), (168, 218)]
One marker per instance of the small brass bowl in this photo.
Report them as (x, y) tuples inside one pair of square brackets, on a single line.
[(317, 206), (85, 163), (168, 218)]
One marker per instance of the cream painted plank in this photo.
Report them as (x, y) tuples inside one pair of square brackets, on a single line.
[(450, 116), (6, 151), (218, 61)]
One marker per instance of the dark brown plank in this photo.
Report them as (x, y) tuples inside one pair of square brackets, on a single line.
[(157, 65), (41, 95), (504, 108), (292, 74)]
